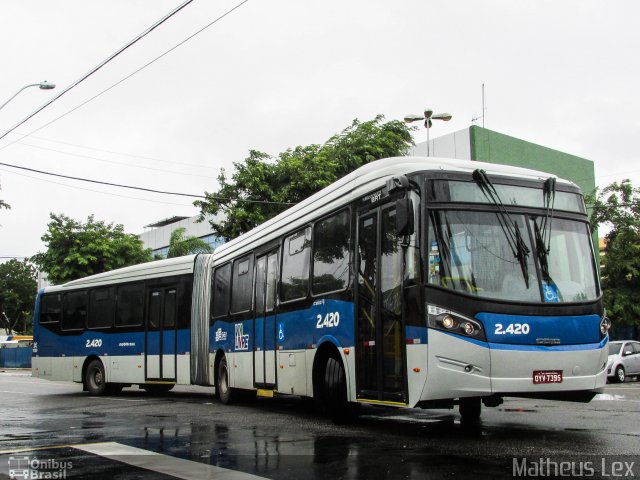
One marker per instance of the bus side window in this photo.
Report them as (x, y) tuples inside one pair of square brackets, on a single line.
[(50, 308), (242, 289), (331, 241), (130, 305), (184, 302), (220, 296), (74, 310), (102, 308), (295, 266)]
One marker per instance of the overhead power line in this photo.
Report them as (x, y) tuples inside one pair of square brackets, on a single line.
[(228, 12), (143, 189), (174, 172), (98, 67), (99, 192), (143, 157)]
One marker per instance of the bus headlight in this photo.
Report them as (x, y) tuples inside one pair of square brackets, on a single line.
[(448, 321), (468, 328), (605, 324)]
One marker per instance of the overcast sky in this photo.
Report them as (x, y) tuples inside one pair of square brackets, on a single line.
[(276, 74)]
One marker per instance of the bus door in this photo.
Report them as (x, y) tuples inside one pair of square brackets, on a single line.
[(161, 335), (264, 352), (380, 345)]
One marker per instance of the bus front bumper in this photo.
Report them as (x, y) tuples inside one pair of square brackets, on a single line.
[(537, 370)]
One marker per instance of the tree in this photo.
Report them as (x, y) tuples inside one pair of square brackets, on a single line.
[(18, 288), (617, 206), (262, 186), (180, 245), (76, 249)]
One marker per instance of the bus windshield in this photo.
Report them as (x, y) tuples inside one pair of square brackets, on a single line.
[(470, 252)]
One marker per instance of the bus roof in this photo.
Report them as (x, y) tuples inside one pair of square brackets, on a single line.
[(358, 183), (155, 269), (343, 191)]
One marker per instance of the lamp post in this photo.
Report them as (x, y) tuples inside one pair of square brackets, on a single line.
[(428, 117), (42, 86)]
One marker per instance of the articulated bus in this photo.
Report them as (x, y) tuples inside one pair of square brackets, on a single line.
[(411, 282)]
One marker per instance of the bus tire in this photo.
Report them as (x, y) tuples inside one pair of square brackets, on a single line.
[(226, 393), (95, 378), (470, 409), (157, 389), (335, 391)]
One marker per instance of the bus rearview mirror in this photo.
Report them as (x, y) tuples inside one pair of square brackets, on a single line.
[(404, 216)]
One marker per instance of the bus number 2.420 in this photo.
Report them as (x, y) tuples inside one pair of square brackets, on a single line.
[(94, 343), (331, 319), (512, 329)]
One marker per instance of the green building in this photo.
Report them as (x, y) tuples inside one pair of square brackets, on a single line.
[(482, 144)]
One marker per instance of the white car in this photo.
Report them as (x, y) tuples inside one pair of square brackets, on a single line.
[(624, 360)]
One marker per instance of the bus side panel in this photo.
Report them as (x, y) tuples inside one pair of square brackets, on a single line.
[(457, 368), (417, 359)]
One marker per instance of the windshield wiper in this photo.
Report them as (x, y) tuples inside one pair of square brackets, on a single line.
[(509, 226), (542, 232), (549, 193)]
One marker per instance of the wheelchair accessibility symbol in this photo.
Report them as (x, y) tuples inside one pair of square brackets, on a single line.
[(550, 293), (280, 332)]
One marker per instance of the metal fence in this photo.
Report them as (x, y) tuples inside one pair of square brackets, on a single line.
[(15, 357)]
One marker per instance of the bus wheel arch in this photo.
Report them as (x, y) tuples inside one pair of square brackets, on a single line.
[(330, 383), (95, 376)]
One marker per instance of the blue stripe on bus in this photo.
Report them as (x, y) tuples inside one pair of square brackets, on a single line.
[(528, 329), (112, 344), (531, 348), (300, 329)]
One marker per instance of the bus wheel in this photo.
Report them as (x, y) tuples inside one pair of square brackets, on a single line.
[(95, 378), (226, 393), (470, 409), (335, 392), (157, 389)]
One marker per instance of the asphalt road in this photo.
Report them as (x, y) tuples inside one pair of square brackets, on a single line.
[(56, 429)]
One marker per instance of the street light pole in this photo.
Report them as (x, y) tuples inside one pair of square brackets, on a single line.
[(428, 117), (42, 85)]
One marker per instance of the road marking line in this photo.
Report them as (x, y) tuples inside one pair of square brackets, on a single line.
[(38, 449), (21, 393), (42, 382), (157, 462), (118, 399)]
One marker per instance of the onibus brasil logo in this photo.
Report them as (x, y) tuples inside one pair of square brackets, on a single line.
[(35, 468)]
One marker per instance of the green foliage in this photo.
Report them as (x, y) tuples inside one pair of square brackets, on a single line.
[(17, 295), (76, 249), (296, 174), (180, 245), (617, 206)]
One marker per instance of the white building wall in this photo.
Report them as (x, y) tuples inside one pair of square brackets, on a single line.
[(158, 238), (454, 145)]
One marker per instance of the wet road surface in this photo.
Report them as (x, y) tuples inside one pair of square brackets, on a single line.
[(55, 428)]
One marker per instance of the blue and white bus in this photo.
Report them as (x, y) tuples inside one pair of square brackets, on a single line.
[(411, 282)]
